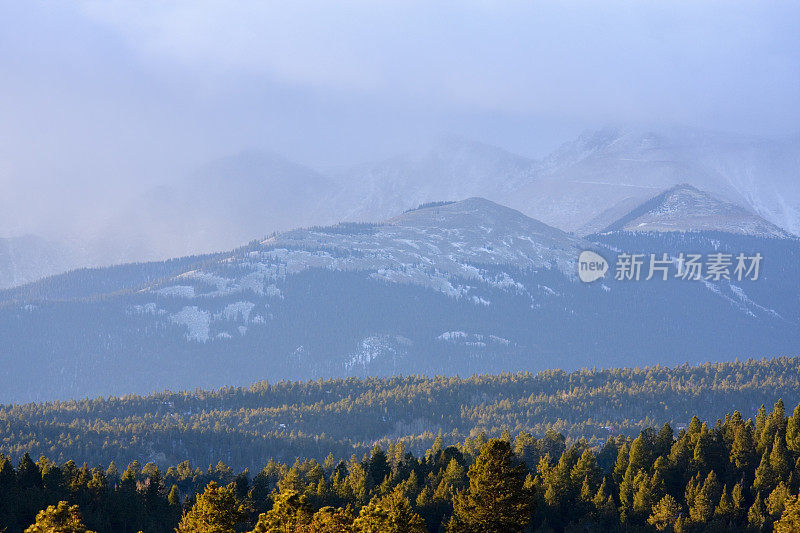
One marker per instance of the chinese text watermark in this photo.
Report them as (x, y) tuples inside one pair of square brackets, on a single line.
[(715, 266)]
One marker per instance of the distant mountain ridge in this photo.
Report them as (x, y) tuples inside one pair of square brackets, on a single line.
[(451, 288), (614, 169), (686, 208), (454, 168), (582, 187)]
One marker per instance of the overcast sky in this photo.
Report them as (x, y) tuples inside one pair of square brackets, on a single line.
[(102, 97)]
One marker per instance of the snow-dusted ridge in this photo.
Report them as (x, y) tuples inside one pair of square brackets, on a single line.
[(686, 208), (432, 247), (446, 248)]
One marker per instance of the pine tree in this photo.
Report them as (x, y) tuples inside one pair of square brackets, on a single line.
[(452, 480), (793, 431), (586, 494), (332, 520), (790, 519), (174, 498), (703, 451), (174, 504), (724, 508), (215, 511), (8, 493), (496, 500), (737, 498), (290, 512), (585, 469), (30, 490), (774, 425), (680, 457), (665, 514), (621, 464), (61, 518), (743, 449), (127, 502), (761, 422), (112, 472), (378, 467), (756, 516), (389, 514), (603, 501), (643, 498), (154, 504), (779, 459), (764, 480), (640, 455), (702, 509), (776, 500), (664, 441)]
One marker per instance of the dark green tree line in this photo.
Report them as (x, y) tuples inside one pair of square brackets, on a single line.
[(738, 474)]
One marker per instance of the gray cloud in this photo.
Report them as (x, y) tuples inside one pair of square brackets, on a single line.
[(102, 99)]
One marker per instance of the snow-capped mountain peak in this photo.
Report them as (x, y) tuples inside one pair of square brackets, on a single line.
[(686, 208)]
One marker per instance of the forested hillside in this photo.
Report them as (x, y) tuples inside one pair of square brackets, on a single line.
[(461, 288), (285, 420), (732, 475)]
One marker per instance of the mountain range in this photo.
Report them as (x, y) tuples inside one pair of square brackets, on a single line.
[(445, 288), (582, 188)]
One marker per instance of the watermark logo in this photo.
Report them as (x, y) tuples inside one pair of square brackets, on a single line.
[(715, 267), (591, 266)]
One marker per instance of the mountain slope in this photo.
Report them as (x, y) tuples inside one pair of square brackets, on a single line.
[(612, 169), (595, 178), (452, 288), (582, 187), (227, 202), (454, 168), (686, 208)]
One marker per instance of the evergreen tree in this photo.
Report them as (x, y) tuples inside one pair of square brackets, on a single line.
[(603, 502), (764, 478), (155, 506), (8, 493), (215, 511), (61, 518), (30, 495), (790, 519), (621, 464), (643, 497), (743, 449), (665, 514), (640, 455), (332, 520), (737, 499), (776, 500), (705, 500), (779, 459), (496, 500), (389, 514), (793, 431), (378, 467), (725, 509), (756, 516), (664, 441), (290, 512)]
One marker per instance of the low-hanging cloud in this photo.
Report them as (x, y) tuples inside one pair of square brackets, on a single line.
[(100, 99), (641, 60)]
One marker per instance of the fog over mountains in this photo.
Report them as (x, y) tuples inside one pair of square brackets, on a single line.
[(581, 187), (447, 288)]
